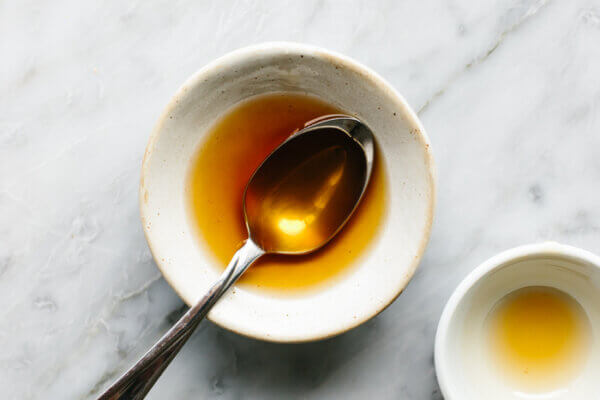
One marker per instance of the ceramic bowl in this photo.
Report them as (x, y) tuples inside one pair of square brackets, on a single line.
[(379, 276), (463, 371)]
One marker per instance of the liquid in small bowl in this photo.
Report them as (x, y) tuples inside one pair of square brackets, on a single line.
[(231, 152), (538, 339)]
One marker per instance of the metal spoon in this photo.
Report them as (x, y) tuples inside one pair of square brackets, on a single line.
[(295, 202)]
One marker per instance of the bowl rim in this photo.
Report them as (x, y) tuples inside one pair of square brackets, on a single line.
[(283, 47), (481, 272)]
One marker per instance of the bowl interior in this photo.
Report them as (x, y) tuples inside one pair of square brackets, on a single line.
[(381, 274), (463, 369)]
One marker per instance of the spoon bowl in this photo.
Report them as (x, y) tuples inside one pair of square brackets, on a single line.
[(306, 190)]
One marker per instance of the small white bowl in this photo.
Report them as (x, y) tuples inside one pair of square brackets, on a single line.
[(463, 372), (379, 276)]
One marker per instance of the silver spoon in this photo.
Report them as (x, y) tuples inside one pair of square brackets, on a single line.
[(295, 202)]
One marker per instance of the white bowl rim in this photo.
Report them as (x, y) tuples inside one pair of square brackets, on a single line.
[(480, 272), (412, 120)]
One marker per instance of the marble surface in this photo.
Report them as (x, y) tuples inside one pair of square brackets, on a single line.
[(509, 92)]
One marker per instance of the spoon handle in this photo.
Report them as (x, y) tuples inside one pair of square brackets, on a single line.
[(139, 379)]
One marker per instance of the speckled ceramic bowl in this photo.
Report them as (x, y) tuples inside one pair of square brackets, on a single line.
[(381, 274)]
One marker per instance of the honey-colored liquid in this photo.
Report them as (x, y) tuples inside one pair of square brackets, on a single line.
[(300, 196), (538, 338), (232, 151)]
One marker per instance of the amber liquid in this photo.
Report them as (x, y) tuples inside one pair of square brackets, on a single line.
[(303, 193), (234, 148), (539, 338)]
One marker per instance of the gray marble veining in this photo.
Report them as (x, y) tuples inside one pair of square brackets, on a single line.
[(509, 92)]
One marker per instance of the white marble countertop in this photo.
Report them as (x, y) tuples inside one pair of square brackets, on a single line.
[(509, 92)]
